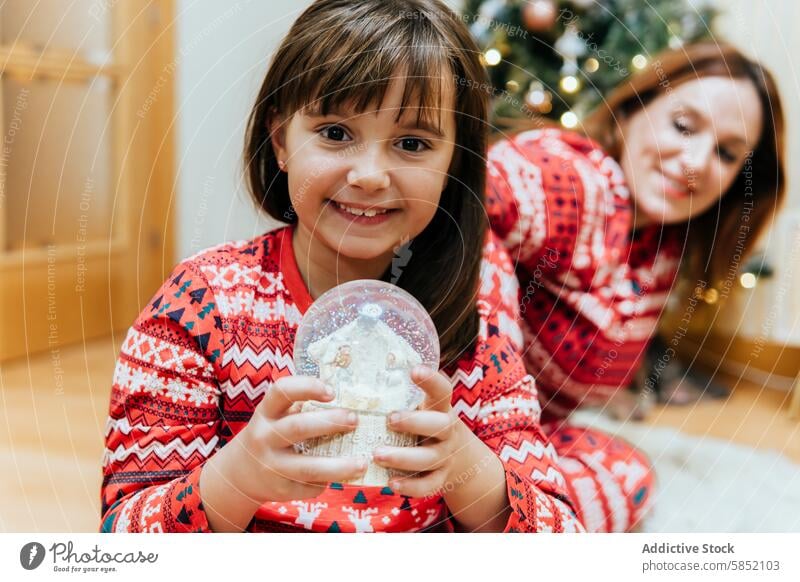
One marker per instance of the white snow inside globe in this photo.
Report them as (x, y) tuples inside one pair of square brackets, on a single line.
[(362, 339)]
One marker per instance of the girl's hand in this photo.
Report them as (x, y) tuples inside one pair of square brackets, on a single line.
[(270, 468), (443, 439)]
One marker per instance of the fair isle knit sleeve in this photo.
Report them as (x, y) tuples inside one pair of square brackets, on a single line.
[(164, 413), (556, 201), (496, 398), (591, 286)]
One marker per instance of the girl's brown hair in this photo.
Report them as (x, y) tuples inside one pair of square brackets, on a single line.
[(345, 53), (722, 235)]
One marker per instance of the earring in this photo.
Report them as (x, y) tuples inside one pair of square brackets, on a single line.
[(282, 165)]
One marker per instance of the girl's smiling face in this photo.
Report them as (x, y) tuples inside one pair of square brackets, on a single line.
[(364, 183)]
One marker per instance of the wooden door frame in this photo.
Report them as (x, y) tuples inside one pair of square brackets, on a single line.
[(120, 274)]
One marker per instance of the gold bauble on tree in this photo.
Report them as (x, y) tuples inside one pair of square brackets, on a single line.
[(539, 15)]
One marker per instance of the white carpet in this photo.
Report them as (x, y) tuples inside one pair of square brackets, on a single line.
[(711, 485)]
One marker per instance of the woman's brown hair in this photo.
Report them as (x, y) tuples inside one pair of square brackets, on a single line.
[(342, 53), (722, 233)]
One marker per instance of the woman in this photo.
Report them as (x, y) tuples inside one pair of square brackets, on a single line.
[(681, 170)]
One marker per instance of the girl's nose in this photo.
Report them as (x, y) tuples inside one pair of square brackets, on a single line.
[(369, 172)]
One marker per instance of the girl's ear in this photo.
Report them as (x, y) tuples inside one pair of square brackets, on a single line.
[(277, 134)]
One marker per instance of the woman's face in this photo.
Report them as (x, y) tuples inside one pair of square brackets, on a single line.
[(683, 150)]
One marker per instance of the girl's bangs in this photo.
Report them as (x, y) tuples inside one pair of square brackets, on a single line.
[(353, 74)]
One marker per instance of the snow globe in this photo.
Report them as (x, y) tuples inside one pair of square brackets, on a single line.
[(362, 339)]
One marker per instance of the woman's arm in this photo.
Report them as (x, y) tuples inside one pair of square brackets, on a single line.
[(591, 295)]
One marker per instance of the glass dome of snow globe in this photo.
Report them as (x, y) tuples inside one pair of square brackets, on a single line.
[(363, 338)]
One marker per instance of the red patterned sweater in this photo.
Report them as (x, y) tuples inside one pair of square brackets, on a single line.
[(220, 330), (591, 295)]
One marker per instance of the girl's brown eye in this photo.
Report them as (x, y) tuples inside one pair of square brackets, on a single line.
[(413, 144), (334, 133)]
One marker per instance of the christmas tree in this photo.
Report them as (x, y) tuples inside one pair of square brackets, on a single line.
[(559, 58)]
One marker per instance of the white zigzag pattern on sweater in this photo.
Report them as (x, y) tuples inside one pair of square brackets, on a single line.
[(552, 475), (471, 412), (123, 425), (244, 385), (162, 451), (538, 449), (240, 356), (468, 379)]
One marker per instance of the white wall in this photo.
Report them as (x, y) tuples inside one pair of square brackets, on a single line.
[(224, 50), (223, 55), (767, 30)]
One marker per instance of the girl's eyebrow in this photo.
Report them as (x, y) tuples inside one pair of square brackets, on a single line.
[(421, 124), (424, 126)]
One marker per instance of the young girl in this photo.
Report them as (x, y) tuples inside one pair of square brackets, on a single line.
[(369, 140)]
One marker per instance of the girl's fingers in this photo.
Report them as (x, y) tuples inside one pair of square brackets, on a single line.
[(411, 459), (421, 486), (436, 387), (310, 470), (295, 428), (290, 389), (426, 423)]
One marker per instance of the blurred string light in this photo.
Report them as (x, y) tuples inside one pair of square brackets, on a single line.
[(569, 120), (592, 65), (711, 296), (639, 62), (748, 280), (756, 268), (569, 84), (493, 57), (536, 97)]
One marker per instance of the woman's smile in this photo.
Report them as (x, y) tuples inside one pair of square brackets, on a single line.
[(674, 187)]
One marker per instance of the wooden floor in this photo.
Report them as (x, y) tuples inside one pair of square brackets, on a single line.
[(752, 415), (54, 410)]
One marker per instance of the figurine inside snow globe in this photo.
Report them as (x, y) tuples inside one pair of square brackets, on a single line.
[(362, 339)]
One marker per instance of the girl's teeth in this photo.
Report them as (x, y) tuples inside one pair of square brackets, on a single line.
[(359, 212)]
